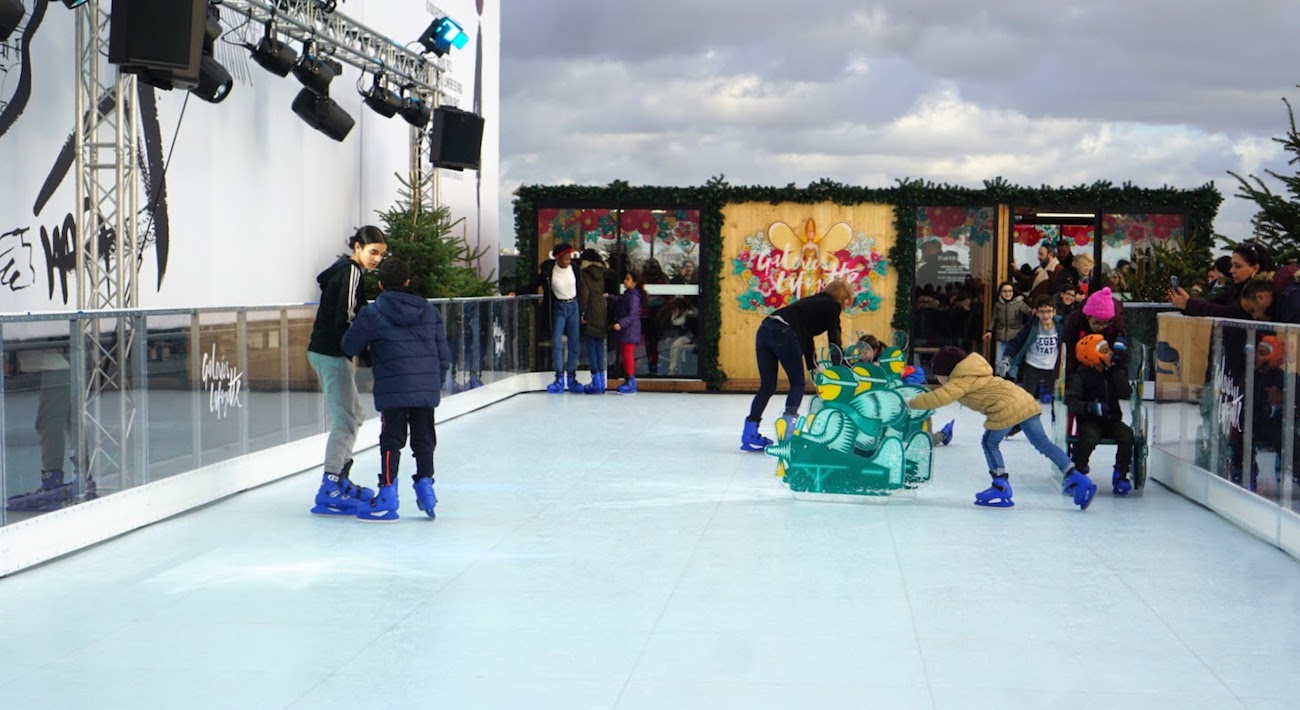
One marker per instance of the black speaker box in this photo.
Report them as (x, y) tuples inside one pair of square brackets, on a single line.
[(455, 139), (11, 15), (158, 38)]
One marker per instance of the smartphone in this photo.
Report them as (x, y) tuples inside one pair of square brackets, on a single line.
[(1173, 281)]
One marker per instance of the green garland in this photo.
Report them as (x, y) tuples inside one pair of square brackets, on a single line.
[(1198, 206)]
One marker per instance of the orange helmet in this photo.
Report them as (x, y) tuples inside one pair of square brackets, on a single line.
[(1269, 352), (1092, 350)]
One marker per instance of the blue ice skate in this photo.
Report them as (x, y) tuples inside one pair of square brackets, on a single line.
[(997, 495), (424, 497), (575, 386), (628, 387), (558, 386), (382, 508), (1119, 483), (751, 440), (1081, 487), (52, 495), (945, 434), (338, 495)]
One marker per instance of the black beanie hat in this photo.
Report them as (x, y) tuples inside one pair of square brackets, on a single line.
[(559, 249), (590, 254), (393, 273), (946, 359)]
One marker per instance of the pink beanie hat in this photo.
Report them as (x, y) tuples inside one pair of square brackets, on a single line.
[(1100, 305)]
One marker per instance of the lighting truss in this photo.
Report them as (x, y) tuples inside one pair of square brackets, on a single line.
[(338, 36)]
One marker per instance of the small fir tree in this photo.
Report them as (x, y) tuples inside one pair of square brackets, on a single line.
[(442, 264), (1277, 223)]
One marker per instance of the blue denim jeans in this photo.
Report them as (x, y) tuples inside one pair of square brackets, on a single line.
[(1033, 429), (1001, 350), (595, 349), (777, 343), (565, 323)]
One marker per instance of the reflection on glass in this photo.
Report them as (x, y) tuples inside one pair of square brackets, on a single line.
[(953, 262), (40, 469), (663, 245), (172, 396), (306, 405), (265, 381)]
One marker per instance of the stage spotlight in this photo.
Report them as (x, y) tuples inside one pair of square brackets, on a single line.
[(443, 35), (275, 56), (11, 15), (416, 111), (382, 100), (214, 81), (74, 4), (316, 73), (321, 113)]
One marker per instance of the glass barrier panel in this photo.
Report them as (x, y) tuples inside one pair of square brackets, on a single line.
[(109, 453), (215, 369), (171, 395), (39, 397), (266, 379), (306, 406), (1290, 451)]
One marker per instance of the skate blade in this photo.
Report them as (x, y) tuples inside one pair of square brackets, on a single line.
[(995, 504), (368, 519), (332, 512)]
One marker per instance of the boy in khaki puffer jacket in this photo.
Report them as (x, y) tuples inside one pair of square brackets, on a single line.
[(969, 379)]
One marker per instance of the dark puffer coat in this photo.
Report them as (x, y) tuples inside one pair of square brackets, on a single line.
[(408, 349)]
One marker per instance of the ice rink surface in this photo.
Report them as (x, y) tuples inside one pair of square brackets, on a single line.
[(621, 552)]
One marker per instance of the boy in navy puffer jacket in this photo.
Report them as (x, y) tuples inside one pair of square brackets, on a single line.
[(409, 353)]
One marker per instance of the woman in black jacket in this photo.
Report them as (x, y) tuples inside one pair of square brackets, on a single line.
[(786, 338), (342, 297)]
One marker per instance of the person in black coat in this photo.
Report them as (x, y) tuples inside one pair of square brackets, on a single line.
[(1093, 395), (786, 338), (408, 351)]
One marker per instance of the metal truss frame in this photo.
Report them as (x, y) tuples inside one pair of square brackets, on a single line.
[(106, 136)]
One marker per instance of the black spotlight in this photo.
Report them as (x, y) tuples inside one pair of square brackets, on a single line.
[(383, 101), (214, 81), (321, 113), (316, 73), (11, 15), (416, 111), (275, 56), (74, 4)]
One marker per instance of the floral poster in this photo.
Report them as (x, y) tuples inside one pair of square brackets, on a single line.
[(671, 236), (953, 225), (780, 265), (1116, 229)]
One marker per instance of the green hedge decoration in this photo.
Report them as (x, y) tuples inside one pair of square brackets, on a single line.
[(1199, 207)]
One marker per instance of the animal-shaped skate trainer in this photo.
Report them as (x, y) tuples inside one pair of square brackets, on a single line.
[(862, 443)]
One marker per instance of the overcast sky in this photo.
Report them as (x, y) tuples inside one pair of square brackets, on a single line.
[(769, 92)]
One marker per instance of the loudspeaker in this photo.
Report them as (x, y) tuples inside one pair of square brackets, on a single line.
[(160, 39), (455, 139), (11, 15)]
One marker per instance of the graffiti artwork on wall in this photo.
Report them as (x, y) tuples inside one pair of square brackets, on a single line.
[(781, 265), (58, 234)]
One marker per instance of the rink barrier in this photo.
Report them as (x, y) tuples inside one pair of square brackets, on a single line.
[(40, 539)]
